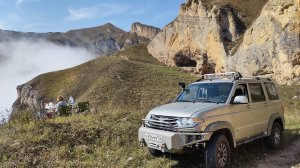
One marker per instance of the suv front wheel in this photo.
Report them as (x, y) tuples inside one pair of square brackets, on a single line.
[(155, 152), (217, 152), (274, 141)]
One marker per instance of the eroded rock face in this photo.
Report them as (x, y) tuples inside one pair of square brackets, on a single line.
[(28, 99), (213, 39), (144, 30), (271, 45), (196, 38)]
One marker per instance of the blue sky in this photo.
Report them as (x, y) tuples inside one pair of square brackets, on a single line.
[(64, 15)]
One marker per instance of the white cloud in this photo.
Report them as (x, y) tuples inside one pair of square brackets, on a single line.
[(33, 27), (19, 2), (21, 60), (2, 26), (99, 11), (13, 17)]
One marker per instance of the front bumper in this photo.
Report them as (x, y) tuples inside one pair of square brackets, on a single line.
[(167, 141)]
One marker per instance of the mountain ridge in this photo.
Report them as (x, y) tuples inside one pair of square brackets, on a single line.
[(101, 40)]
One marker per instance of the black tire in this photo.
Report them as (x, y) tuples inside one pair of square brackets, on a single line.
[(217, 152), (274, 141), (155, 152)]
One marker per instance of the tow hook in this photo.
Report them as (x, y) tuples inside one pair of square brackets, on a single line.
[(142, 142), (163, 147)]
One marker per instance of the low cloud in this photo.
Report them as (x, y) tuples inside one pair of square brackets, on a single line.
[(22, 60), (99, 11)]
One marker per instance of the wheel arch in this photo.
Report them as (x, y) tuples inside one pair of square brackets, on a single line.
[(222, 127), (275, 118)]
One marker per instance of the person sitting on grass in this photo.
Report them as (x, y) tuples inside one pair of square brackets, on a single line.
[(61, 102)]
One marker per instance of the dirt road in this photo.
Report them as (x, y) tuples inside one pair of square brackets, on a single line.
[(288, 156)]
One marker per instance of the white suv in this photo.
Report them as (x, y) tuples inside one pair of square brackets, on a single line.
[(216, 113)]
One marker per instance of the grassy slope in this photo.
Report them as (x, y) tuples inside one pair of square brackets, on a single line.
[(131, 79), (108, 138)]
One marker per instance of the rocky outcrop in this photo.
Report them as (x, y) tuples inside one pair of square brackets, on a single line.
[(271, 46), (212, 38), (28, 99), (144, 30), (197, 37)]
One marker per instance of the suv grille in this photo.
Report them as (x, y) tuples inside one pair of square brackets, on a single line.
[(163, 122)]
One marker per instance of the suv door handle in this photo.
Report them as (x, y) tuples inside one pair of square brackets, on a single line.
[(248, 106)]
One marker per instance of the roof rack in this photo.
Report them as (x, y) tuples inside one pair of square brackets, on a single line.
[(230, 75), (226, 75)]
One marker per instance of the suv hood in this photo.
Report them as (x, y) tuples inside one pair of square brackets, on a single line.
[(182, 109)]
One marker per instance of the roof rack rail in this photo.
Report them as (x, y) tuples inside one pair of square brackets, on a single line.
[(258, 78)]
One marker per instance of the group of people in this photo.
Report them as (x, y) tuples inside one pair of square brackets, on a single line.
[(52, 109)]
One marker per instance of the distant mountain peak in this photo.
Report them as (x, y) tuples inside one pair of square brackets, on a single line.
[(144, 30)]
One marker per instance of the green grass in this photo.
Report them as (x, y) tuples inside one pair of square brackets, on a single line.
[(104, 139)]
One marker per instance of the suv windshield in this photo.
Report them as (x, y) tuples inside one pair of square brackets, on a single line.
[(206, 92)]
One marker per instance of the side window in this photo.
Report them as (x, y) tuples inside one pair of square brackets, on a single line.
[(271, 90), (257, 92), (241, 90)]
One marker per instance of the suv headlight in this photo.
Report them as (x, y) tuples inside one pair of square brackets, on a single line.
[(189, 122), (148, 117)]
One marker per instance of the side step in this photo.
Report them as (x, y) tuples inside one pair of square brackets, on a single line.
[(251, 139)]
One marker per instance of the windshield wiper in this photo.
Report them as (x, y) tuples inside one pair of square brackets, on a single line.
[(205, 100), (184, 101)]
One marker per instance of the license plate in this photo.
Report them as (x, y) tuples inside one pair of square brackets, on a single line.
[(153, 137)]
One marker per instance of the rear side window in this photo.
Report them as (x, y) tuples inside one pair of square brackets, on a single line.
[(271, 90), (257, 92)]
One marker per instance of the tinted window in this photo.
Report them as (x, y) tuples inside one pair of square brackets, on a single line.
[(257, 93), (271, 90)]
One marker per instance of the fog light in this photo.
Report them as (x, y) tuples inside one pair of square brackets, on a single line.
[(163, 147), (142, 142), (198, 137), (190, 138)]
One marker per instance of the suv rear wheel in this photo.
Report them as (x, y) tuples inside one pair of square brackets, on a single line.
[(217, 152), (274, 141)]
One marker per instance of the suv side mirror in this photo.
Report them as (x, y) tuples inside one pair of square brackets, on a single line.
[(240, 100), (182, 85)]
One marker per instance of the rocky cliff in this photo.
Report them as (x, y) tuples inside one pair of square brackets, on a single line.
[(144, 30), (271, 46), (28, 99), (216, 36), (196, 38)]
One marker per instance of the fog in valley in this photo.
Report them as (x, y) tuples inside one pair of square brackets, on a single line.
[(22, 60)]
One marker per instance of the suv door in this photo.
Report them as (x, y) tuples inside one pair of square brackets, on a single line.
[(259, 105), (243, 116)]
